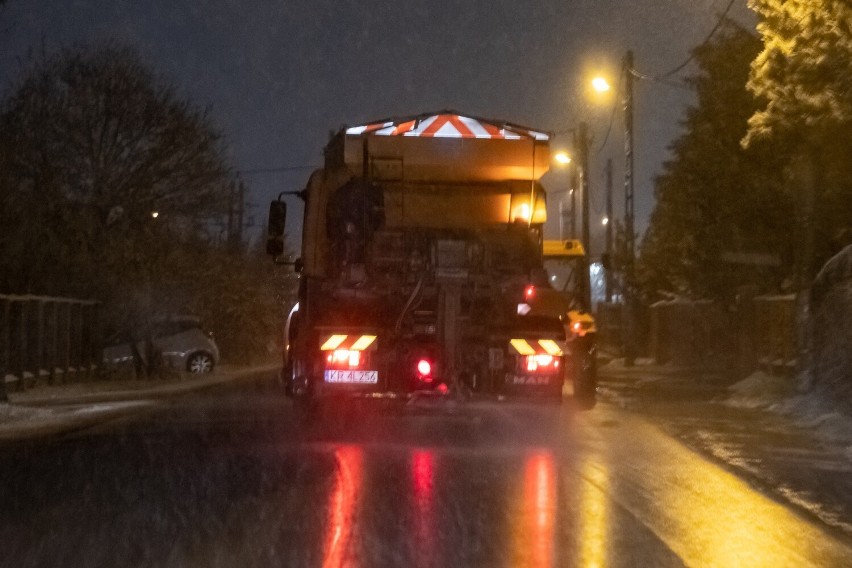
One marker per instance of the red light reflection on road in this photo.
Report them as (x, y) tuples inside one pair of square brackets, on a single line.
[(342, 506), (423, 480), (422, 467), (534, 540)]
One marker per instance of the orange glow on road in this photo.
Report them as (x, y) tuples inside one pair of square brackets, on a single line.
[(704, 514), (534, 537), (343, 506), (594, 514)]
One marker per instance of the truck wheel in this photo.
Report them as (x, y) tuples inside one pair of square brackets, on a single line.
[(585, 389), (285, 379), (296, 383), (585, 397)]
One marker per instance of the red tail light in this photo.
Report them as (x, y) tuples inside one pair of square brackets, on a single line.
[(529, 292), (424, 367), (424, 370), (344, 359), (540, 363)]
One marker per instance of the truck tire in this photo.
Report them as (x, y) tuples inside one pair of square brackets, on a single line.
[(585, 389)]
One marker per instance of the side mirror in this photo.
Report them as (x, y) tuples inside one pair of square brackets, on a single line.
[(275, 231)]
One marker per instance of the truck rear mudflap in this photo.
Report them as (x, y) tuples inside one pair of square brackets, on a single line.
[(535, 368), (525, 386)]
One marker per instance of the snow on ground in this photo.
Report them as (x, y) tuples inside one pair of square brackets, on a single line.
[(25, 421), (618, 363), (759, 390), (814, 410), (719, 446), (820, 510), (49, 409)]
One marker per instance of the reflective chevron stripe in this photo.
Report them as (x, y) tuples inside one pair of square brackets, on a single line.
[(447, 125), (536, 347), (349, 342)]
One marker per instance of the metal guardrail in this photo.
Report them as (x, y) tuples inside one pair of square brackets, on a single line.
[(47, 338)]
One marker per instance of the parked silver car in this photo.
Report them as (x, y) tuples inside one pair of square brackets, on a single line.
[(180, 340)]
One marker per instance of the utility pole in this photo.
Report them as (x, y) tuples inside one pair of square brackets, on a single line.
[(582, 144), (629, 292), (574, 184), (609, 222)]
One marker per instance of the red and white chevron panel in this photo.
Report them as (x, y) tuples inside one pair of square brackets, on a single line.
[(447, 126)]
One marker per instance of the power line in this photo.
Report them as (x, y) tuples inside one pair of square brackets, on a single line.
[(689, 59), (661, 79)]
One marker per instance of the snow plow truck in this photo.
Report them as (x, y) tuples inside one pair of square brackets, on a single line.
[(421, 269)]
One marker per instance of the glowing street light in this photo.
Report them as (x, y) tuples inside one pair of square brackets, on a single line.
[(605, 221), (155, 214), (562, 158), (600, 85)]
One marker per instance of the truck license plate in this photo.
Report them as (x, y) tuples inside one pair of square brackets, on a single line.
[(529, 380), (353, 377)]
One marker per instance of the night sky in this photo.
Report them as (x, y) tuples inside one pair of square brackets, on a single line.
[(279, 75)]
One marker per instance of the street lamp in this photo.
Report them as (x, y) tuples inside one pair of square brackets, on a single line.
[(562, 158), (629, 299), (600, 85)]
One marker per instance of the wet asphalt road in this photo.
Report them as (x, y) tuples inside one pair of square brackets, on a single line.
[(774, 452), (234, 477)]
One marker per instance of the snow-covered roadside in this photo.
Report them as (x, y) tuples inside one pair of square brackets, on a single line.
[(52, 409), (813, 411), (618, 363), (17, 422)]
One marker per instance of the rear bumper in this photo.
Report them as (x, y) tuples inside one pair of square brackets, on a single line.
[(551, 390)]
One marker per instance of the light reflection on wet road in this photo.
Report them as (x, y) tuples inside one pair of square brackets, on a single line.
[(233, 479)]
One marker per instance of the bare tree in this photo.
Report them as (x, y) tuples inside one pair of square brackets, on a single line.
[(92, 145), (104, 172), (99, 128)]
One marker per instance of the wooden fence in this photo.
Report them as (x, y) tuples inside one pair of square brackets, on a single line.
[(774, 334), (47, 339), (756, 333)]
